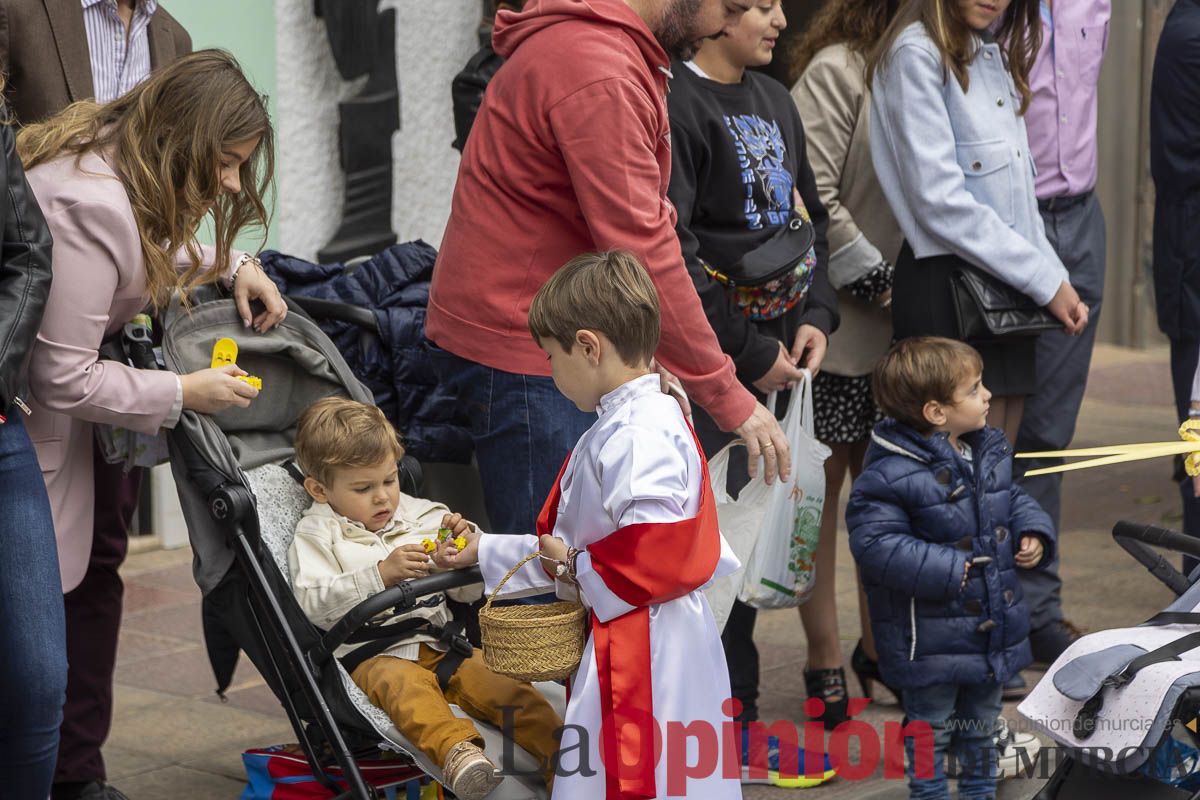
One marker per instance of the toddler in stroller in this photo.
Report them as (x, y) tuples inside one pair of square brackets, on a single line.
[(361, 535), (242, 501)]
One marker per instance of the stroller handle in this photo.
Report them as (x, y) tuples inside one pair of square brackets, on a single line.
[(1137, 539), (402, 597), (318, 308)]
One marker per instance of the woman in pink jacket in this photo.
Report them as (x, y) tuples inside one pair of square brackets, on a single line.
[(124, 188)]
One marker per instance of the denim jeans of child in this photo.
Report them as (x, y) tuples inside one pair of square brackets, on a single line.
[(33, 657), (523, 429), (963, 719)]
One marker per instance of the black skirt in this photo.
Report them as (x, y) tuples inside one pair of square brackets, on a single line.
[(922, 305)]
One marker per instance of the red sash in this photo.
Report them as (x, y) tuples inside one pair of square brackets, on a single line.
[(643, 564)]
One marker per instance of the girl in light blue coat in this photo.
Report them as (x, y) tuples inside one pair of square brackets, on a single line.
[(949, 87)]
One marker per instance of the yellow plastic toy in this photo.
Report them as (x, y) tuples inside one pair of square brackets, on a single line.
[(1189, 433), (443, 533), (225, 352)]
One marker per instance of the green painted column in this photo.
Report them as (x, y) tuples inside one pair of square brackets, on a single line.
[(245, 28)]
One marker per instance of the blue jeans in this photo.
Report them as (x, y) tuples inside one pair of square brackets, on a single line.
[(33, 650), (523, 430), (963, 718)]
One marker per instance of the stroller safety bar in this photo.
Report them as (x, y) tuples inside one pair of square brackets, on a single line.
[(1134, 538), (400, 597)]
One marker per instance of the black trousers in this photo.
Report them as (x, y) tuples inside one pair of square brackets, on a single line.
[(93, 611)]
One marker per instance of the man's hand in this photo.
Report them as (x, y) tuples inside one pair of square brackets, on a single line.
[(764, 437), (448, 556), (671, 385), (808, 350), (783, 373), (1030, 553), (406, 561)]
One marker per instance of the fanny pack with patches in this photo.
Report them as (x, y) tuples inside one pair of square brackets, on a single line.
[(768, 281)]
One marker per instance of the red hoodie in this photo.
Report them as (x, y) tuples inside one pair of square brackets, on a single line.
[(570, 153)]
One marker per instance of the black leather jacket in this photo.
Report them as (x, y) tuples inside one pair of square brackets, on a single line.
[(24, 269)]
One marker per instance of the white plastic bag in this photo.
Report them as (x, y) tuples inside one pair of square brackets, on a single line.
[(781, 571), (740, 521)]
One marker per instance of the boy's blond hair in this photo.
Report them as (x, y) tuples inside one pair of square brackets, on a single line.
[(609, 293), (918, 370), (338, 432)]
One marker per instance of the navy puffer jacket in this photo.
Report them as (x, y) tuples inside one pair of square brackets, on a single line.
[(395, 365), (917, 514)]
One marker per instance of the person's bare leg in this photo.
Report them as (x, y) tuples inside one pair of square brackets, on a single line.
[(1005, 414), (1012, 417), (819, 614)]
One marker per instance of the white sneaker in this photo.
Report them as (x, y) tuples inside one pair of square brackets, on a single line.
[(469, 773), (1014, 750)]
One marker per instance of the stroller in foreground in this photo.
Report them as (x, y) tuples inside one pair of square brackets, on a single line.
[(242, 503), (1122, 705)]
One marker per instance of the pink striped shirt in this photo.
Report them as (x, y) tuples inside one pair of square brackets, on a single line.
[(1061, 120), (119, 61)]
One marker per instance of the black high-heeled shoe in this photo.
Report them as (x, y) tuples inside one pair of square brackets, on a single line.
[(825, 685), (867, 672)]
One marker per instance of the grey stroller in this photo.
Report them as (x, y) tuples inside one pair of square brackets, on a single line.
[(1121, 706), (242, 502)]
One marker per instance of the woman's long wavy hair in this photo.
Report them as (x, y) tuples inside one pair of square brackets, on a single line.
[(164, 138), (856, 23), (1019, 34)]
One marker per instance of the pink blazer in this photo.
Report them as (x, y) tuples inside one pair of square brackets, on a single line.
[(99, 285)]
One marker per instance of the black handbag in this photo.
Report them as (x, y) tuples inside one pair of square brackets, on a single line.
[(988, 308)]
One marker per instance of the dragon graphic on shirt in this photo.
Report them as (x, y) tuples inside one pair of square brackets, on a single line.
[(761, 152)]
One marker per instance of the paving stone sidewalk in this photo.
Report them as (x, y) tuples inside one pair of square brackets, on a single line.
[(172, 737)]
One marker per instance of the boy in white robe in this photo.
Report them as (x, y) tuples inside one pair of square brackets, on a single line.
[(630, 527)]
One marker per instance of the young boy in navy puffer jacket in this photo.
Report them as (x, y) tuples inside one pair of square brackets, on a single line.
[(938, 529)]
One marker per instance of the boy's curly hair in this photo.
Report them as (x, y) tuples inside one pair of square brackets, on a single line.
[(337, 432)]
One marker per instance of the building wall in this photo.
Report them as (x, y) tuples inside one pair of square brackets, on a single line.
[(433, 41), (245, 28)]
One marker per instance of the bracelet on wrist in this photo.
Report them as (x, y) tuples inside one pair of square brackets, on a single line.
[(245, 259)]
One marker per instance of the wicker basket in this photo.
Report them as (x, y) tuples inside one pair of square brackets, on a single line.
[(541, 642)]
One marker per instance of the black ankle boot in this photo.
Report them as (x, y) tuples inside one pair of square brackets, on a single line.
[(867, 672)]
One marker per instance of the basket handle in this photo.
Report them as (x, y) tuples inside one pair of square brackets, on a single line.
[(511, 572)]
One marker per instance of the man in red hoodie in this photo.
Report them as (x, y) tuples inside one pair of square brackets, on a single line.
[(571, 153)]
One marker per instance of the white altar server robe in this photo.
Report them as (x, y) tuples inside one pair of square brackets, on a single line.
[(638, 463)]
